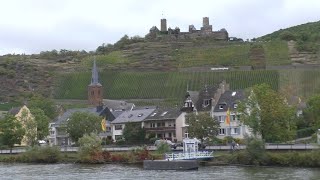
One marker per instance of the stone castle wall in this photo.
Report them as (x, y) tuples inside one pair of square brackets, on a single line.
[(175, 34)]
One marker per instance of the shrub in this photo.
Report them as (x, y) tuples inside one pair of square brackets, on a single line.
[(121, 142), (39, 154), (301, 133), (256, 151), (163, 148), (90, 150), (226, 140)]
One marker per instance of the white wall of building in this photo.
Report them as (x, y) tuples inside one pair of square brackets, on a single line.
[(236, 129)]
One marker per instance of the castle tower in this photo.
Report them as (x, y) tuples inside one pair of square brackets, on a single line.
[(95, 95), (205, 22), (206, 27), (163, 25)]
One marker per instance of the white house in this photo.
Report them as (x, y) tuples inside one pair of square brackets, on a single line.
[(229, 101)]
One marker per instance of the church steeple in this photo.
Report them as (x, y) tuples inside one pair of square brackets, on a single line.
[(95, 75), (95, 95)]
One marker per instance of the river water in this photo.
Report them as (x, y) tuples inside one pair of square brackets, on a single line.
[(112, 171)]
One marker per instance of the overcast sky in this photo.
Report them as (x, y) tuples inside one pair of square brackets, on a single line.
[(31, 26)]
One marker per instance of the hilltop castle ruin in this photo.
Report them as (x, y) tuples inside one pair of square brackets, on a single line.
[(175, 34)]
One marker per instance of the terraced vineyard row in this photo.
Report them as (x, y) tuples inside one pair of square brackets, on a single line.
[(166, 85), (300, 82)]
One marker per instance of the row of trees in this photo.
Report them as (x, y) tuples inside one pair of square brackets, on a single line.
[(121, 44)]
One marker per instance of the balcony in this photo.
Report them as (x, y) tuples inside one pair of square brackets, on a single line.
[(158, 129)]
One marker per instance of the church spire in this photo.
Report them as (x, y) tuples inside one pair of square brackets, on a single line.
[(95, 76)]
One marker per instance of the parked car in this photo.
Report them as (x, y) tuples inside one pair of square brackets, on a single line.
[(170, 143)]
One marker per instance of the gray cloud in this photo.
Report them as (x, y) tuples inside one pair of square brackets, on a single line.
[(32, 26)]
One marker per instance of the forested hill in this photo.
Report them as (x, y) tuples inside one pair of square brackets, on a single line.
[(306, 35)]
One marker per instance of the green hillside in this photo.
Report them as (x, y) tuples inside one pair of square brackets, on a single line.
[(165, 85), (307, 35), (175, 55)]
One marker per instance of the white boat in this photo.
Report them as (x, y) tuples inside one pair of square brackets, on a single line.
[(190, 152)]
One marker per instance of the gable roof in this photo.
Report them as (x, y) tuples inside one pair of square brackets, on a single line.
[(133, 116), (163, 114), (66, 115), (117, 104), (228, 99), (206, 93), (14, 111)]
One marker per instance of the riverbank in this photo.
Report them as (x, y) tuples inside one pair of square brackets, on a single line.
[(284, 159)]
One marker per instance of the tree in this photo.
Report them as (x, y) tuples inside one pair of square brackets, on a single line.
[(133, 132), (268, 115), (11, 131), (42, 123), (89, 145), (287, 36), (312, 112), (202, 125), (47, 105), (81, 123)]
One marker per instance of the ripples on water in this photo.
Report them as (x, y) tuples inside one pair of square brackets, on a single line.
[(111, 171)]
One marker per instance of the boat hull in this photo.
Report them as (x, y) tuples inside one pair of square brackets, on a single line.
[(170, 165)]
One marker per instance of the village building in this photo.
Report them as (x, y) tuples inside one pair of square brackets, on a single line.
[(227, 106), (24, 116)]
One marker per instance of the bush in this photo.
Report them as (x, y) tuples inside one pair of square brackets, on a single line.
[(90, 150), (256, 151), (306, 132), (121, 142), (226, 140), (163, 148), (39, 154)]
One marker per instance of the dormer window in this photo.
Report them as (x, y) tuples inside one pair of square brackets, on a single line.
[(141, 114), (235, 105), (164, 113), (206, 102), (221, 106)]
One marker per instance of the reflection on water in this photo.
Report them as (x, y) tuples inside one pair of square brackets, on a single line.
[(111, 171)]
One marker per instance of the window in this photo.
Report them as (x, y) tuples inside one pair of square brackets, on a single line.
[(220, 106), (206, 102), (238, 117), (235, 130), (170, 135), (118, 127), (163, 124), (141, 114), (164, 113), (222, 131), (233, 117), (152, 125), (221, 118), (158, 124), (235, 105)]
